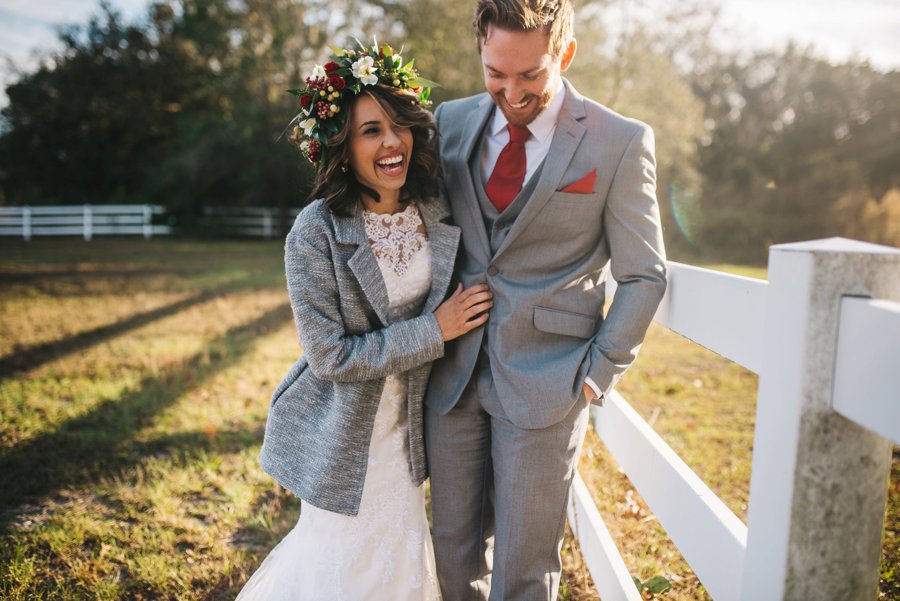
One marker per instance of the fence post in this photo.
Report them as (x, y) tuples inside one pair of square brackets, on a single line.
[(26, 223), (148, 218), (819, 481), (267, 224), (88, 223)]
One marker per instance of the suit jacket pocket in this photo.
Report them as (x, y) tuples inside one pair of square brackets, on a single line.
[(567, 323), (289, 379), (576, 198)]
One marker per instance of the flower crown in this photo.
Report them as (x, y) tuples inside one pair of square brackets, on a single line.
[(346, 75)]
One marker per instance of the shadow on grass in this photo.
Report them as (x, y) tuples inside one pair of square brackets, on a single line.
[(258, 538), (39, 354), (180, 449), (38, 277), (84, 448)]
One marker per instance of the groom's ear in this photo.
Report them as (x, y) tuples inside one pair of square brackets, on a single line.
[(568, 55)]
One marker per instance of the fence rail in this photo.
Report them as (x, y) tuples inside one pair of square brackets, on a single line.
[(259, 222), (82, 220), (824, 336), (127, 220), (867, 370)]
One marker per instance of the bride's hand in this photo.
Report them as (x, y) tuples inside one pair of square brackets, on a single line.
[(465, 310)]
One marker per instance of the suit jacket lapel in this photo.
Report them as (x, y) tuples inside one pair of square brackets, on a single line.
[(466, 209), (566, 139), (352, 230), (443, 239)]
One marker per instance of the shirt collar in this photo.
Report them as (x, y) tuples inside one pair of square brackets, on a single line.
[(543, 125)]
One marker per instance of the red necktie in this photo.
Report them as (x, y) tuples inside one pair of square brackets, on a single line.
[(509, 172)]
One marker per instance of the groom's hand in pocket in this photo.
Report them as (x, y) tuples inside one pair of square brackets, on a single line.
[(588, 393)]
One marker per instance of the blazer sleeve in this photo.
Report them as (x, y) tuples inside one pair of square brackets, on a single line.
[(637, 261), (331, 352)]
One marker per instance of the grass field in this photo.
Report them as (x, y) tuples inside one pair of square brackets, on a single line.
[(134, 384)]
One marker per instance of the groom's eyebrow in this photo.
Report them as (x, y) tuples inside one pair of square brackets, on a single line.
[(532, 71)]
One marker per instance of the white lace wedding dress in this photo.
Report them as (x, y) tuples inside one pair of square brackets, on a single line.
[(385, 551)]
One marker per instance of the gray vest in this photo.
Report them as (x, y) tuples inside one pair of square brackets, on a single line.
[(497, 225)]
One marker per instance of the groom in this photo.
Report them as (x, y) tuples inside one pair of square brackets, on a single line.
[(551, 190)]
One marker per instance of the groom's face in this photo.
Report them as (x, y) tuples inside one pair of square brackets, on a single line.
[(520, 73)]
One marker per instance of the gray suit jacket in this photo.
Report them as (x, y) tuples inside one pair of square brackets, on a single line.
[(547, 331), (322, 414)]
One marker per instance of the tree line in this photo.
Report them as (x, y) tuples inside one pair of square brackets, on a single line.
[(184, 108)]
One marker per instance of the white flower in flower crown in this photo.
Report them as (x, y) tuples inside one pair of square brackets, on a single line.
[(318, 72), (304, 146), (308, 125), (364, 70)]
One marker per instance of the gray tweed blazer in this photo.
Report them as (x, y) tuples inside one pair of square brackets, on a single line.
[(322, 413)]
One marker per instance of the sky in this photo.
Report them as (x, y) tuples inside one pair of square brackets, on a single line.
[(837, 29)]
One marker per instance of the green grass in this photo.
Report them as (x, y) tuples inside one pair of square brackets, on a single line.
[(133, 393), (134, 385)]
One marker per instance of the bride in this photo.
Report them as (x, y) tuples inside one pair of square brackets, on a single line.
[(368, 265)]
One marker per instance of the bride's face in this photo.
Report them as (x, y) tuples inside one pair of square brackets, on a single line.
[(379, 148)]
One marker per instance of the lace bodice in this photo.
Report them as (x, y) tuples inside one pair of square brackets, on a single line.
[(401, 248)]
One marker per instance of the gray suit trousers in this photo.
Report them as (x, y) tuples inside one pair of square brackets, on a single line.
[(498, 495)]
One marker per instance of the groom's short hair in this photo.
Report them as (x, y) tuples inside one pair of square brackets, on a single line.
[(555, 17)]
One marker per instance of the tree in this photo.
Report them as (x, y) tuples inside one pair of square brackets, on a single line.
[(796, 140)]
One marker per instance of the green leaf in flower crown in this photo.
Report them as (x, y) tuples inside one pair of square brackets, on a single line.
[(658, 584), (337, 50), (296, 92), (421, 82), (638, 583), (409, 65), (387, 51)]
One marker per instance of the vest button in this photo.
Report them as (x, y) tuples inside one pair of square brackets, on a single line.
[(492, 270)]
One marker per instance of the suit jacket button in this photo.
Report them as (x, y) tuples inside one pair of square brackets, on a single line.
[(492, 270)]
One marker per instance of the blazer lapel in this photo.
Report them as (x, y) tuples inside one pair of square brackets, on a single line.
[(352, 230), (566, 139), (443, 240), (466, 210)]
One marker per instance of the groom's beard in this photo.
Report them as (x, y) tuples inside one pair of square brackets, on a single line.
[(526, 114)]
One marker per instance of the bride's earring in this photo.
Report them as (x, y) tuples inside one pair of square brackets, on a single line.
[(344, 167)]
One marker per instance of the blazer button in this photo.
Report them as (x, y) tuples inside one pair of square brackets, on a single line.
[(492, 270)]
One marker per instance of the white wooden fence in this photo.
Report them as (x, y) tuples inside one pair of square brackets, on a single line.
[(122, 220), (261, 222), (81, 220), (824, 336)]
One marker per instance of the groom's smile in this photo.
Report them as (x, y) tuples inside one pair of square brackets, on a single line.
[(520, 73)]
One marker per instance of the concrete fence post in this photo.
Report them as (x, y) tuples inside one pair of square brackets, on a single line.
[(819, 481)]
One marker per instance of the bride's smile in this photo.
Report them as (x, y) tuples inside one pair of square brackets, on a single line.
[(379, 149)]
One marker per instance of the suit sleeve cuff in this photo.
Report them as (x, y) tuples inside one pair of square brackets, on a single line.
[(597, 392)]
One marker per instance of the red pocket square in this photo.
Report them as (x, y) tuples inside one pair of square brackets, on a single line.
[(583, 186)]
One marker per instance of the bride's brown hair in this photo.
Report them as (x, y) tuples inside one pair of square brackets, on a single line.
[(340, 189)]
